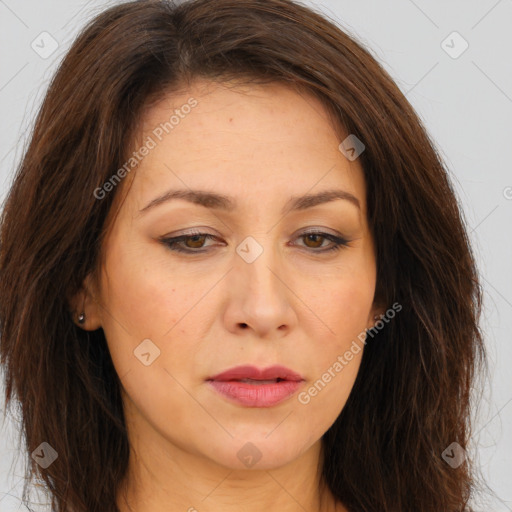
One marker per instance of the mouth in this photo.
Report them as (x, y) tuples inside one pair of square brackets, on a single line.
[(257, 382), (252, 387)]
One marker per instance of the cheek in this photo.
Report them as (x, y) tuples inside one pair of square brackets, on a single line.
[(144, 298), (145, 301), (342, 296), (335, 359), (142, 293), (344, 305), (135, 305)]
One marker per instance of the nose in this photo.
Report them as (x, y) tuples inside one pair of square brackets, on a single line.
[(261, 296)]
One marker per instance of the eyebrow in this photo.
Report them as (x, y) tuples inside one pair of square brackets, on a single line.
[(222, 202)]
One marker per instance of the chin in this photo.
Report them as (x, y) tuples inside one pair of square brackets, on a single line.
[(258, 452)]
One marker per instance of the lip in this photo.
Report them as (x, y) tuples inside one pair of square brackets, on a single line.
[(251, 372), (230, 385)]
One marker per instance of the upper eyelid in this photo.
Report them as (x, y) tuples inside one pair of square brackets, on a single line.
[(306, 231)]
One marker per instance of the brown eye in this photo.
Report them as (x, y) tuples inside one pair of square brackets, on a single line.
[(195, 241), (315, 239), (190, 244)]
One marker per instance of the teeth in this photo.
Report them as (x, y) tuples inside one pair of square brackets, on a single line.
[(254, 381)]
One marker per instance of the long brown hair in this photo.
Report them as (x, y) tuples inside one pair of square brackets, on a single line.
[(411, 398)]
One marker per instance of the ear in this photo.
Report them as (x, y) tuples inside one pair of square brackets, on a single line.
[(376, 312), (86, 301)]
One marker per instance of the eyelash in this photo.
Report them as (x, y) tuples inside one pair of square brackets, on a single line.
[(172, 243)]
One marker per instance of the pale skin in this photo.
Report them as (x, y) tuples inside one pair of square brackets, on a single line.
[(293, 305)]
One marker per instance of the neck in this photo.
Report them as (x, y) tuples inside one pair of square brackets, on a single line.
[(175, 479)]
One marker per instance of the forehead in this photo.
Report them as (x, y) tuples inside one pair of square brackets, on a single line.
[(242, 140), (273, 111)]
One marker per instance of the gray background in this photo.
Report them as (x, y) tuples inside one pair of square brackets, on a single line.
[(465, 100)]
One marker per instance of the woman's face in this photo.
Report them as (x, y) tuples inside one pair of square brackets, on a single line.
[(249, 287)]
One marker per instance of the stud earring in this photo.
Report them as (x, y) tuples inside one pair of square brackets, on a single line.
[(81, 318)]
